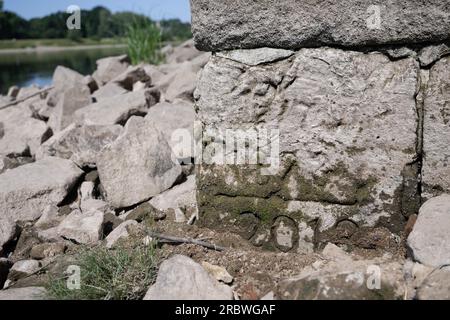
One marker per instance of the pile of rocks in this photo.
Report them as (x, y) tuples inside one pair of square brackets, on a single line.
[(77, 158)]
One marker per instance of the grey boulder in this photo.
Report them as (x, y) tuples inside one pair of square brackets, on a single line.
[(429, 241), (118, 109), (71, 100), (20, 134), (138, 165), (181, 278), (80, 143), (27, 190), (176, 121), (83, 228), (109, 68)]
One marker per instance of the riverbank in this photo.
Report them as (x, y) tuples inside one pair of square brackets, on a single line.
[(45, 49), (29, 44)]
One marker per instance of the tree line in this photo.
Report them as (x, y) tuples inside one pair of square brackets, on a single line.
[(97, 23)]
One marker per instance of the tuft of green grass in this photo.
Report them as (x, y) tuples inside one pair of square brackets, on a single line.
[(144, 42), (121, 274)]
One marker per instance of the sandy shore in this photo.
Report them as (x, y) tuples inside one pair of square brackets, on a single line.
[(44, 49)]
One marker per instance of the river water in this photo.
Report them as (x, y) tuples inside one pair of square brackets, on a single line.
[(27, 68)]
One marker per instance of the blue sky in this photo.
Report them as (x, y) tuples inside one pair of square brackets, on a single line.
[(157, 9)]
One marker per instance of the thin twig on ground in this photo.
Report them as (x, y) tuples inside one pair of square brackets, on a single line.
[(172, 239)]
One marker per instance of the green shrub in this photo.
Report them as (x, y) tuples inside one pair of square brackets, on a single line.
[(144, 42), (124, 273)]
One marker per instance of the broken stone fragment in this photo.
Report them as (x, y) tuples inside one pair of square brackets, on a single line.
[(80, 143), (109, 68), (71, 100), (82, 228), (138, 165), (257, 56), (219, 273), (20, 134), (429, 241), (66, 78), (107, 91), (436, 131), (184, 52), (179, 83), (120, 233), (177, 122), (23, 268), (436, 286), (431, 54), (26, 191), (181, 199), (341, 276), (180, 278), (118, 109)]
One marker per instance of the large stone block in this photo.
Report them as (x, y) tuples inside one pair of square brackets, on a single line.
[(436, 131), (346, 124), (234, 24)]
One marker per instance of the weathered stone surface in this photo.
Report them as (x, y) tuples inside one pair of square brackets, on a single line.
[(436, 286), (180, 278), (29, 293), (80, 143), (138, 165), (181, 199), (176, 121), (107, 91), (12, 162), (119, 233), (347, 126), (257, 56), (218, 273), (118, 109), (84, 228), (47, 250), (436, 131), (20, 135), (184, 52), (431, 54), (27, 190), (71, 100), (23, 268), (340, 276), (109, 68), (234, 24), (180, 82), (64, 78), (50, 217), (430, 240)]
